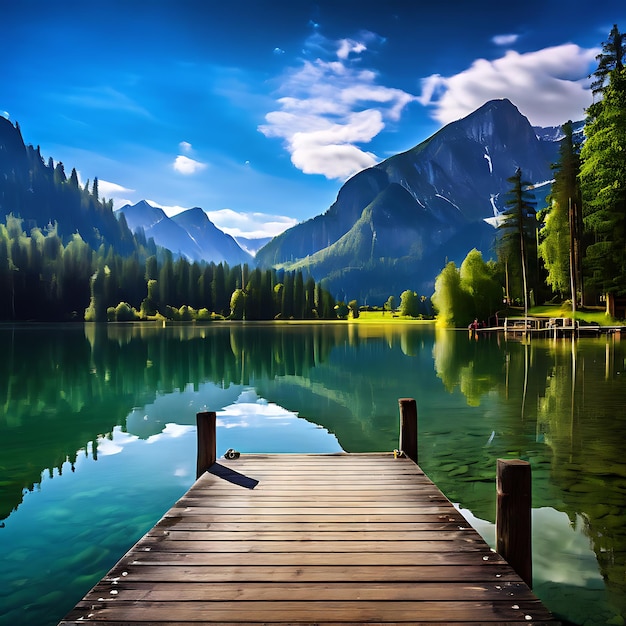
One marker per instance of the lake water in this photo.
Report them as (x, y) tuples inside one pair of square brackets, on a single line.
[(97, 438)]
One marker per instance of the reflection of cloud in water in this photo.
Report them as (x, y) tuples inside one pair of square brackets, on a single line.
[(250, 411), (171, 430), (108, 447), (559, 536), (553, 535), (256, 425)]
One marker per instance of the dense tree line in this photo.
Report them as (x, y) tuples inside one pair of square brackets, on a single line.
[(588, 200), (44, 278)]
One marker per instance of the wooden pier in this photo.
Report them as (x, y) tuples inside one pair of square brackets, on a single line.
[(311, 539)]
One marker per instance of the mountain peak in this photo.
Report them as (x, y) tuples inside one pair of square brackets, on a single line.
[(433, 199), (190, 233)]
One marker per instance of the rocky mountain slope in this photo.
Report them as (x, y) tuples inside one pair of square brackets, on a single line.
[(395, 225)]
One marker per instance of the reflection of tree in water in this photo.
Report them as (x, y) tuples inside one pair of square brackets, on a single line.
[(492, 377), (582, 415), (49, 406), (62, 387), (568, 397)]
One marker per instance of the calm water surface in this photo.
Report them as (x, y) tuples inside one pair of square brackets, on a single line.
[(97, 438)]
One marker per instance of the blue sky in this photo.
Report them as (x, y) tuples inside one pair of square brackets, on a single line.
[(258, 111)]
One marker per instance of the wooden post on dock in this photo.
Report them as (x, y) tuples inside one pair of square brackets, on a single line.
[(513, 516), (408, 427), (207, 455)]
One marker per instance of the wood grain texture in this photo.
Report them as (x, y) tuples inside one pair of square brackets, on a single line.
[(321, 539)]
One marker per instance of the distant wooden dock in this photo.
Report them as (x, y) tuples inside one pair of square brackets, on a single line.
[(311, 539)]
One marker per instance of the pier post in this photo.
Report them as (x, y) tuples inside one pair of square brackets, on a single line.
[(207, 455), (513, 516), (408, 427)]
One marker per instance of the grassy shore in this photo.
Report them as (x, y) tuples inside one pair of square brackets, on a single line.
[(590, 316), (386, 317)]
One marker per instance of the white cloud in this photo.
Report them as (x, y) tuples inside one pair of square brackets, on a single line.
[(549, 86), (331, 108), (5, 114), (251, 225), (505, 40), (185, 147), (186, 166), (113, 191), (346, 46), (110, 190)]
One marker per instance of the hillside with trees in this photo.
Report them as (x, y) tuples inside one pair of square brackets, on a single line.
[(65, 256)]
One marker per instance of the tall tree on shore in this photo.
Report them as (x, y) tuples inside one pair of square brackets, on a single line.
[(518, 224), (603, 173), (610, 59), (561, 231)]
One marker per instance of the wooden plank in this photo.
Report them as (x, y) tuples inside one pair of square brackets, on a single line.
[(168, 622), (327, 558), (301, 591), (198, 523), (365, 536), (320, 539), (213, 515), (320, 612), (454, 569)]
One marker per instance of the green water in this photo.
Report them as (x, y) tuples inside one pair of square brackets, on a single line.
[(97, 438)]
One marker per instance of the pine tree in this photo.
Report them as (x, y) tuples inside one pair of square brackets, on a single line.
[(518, 224), (603, 184), (561, 233), (610, 59)]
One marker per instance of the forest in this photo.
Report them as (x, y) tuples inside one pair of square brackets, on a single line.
[(47, 279), (65, 256)]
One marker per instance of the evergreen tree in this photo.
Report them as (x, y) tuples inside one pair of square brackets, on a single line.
[(561, 231), (298, 297), (309, 297), (73, 179), (516, 242), (610, 59), (237, 304), (218, 291), (603, 180), (97, 309), (166, 281), (287, 304)]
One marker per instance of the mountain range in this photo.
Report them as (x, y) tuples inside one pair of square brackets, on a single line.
[(392, 227), (395, 225), (190, 234)]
